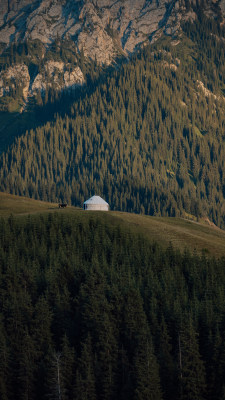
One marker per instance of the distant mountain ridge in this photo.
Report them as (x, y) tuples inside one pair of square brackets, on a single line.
[(104, 29)]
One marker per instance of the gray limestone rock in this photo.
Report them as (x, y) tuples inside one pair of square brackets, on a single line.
[(18, 74), (103, 28), (55, 74), (58, 76)]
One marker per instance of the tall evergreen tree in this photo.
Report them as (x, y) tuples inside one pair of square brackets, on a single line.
[(192, 370)]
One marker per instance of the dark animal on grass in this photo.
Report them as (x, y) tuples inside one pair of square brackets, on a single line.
[(62, 205)]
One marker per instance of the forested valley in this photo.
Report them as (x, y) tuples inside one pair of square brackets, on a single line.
[(91, 310), (148, 137)]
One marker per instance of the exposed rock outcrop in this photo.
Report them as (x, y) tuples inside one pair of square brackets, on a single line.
[(15, 76), (56, 75), (207, 92), (99, 29), (102, 28)]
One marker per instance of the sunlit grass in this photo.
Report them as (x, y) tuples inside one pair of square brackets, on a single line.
[(181, 233)]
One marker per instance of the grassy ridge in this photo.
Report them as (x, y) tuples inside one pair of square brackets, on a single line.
[(180, 232), (16, 205)]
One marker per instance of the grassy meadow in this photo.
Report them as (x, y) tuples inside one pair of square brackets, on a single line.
[(181, 233)]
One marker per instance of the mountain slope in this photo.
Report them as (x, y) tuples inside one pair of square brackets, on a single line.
[(47, 46), (34, 37), (198, 237), (97, 311), (150, 138), (103, 29)]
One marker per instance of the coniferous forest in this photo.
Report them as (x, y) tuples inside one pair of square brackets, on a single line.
[(148, 137), (91, 310)]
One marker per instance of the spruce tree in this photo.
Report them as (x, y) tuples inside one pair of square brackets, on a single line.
[(192, 369)]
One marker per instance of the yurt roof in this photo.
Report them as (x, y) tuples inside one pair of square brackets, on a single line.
[(95, 200)]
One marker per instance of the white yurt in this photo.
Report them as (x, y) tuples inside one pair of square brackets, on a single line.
[(96, 203)]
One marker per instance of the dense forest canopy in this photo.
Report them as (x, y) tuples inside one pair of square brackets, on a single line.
[(148, 137), (91, 310)]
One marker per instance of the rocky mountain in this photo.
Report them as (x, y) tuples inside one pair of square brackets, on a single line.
[(102, 28), (54, 74)]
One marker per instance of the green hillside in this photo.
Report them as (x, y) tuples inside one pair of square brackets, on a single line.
[(10, 204), (149, 137), (92, 308), (178, 232)]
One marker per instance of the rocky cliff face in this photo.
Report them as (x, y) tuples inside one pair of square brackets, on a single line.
[(57, 75), (102, 28), (10, 78)]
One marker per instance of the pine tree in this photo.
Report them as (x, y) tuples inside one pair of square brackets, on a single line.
[(85, 386), (67, 369), (55, 389), (146, 372), (4, 364), (192, 370)]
